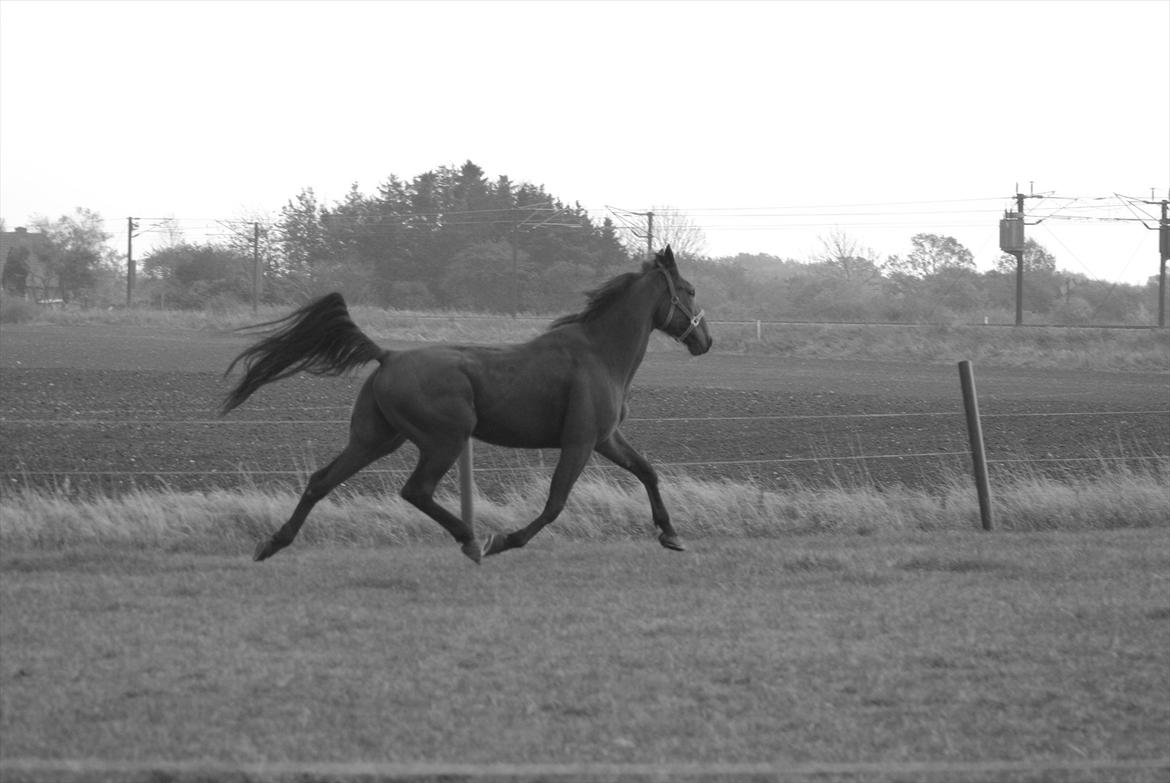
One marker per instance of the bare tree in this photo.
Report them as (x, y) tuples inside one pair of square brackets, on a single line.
[(848, 257), (676, 228), (669, 226), (169, 230)]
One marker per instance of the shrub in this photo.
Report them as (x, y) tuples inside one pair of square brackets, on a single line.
[(15, 310)]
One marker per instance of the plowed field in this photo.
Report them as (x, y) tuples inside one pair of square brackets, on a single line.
[(113, 407)]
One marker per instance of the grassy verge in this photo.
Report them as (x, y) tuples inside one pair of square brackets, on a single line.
[(1085, 348), (599, 510)]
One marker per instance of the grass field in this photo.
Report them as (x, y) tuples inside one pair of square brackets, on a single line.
[(1089, 348), (883, 648)]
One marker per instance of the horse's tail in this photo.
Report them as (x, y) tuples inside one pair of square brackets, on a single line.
[(319, 338)]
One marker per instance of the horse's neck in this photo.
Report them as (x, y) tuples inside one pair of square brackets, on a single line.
[(621, 337)]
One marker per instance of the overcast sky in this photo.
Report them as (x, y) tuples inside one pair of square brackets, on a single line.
[(770, 124)]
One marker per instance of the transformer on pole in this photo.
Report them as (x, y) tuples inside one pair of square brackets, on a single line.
[(1011, 241)]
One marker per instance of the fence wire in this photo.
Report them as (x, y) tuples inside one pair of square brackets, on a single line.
[(592, 468)]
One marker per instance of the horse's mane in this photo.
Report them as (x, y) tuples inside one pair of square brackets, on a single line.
[(599, 299)]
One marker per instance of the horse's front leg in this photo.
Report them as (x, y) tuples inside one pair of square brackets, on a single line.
[(618, 451), (572, 461)]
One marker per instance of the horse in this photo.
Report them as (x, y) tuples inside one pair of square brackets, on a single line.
[(567, 388)]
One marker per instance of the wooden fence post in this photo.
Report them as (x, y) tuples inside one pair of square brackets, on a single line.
[(975, 435), (467, 484)]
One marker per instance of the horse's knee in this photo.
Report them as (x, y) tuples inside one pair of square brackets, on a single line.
[(315, 491), (415, 494)]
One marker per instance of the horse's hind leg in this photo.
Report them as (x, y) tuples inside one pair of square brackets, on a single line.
[(357, 454), (370, 437), (353, 458)]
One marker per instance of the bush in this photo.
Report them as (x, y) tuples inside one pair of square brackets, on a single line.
[(14, 310)]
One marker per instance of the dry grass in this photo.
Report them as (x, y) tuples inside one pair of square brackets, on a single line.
[(599, 509)]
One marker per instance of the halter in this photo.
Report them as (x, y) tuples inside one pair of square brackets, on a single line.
[(696, 318)]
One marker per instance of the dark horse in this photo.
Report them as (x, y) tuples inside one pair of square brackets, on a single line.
[(565, 389)]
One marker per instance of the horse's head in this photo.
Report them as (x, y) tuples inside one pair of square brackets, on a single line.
[(678, 315)]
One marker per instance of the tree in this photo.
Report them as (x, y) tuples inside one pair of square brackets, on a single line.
[(848, 258), (75, 252), (16, 269), (561, 286), (196, 276), (1036, 259), (931, 254), (724, 288), (486, 276), (249, 237), (170, 231), (1041, 285), (824, 294), (610, 254), (675, 228), (300, 241)]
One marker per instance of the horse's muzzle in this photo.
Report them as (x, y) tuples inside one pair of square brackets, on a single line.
[(697, 339)]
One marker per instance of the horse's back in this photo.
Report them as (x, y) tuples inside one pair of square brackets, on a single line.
[(511, 395)]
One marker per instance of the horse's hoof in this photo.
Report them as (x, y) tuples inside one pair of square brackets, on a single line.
[(474, 550), (494, 544), (265, 549), (671, 541)]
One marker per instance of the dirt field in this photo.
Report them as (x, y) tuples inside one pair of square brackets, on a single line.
[(112, 407)]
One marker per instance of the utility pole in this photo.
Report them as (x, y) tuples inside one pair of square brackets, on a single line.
[(515, 269), (1011, 241), (255, 267), (650, 235), (1019, 254), (1164, 254), (649, 215), (131, 226)]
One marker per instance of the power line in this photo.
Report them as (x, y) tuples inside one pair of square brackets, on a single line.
[(1091, 219), (692, 210), (727, 217)]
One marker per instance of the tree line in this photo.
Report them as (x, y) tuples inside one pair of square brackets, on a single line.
[(937, 282), (453, 239)]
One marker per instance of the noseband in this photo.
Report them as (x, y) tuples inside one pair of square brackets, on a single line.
[(696, 318)]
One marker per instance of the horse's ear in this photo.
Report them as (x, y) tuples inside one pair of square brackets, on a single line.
[(666, 257)]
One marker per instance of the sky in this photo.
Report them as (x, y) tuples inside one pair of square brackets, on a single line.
[(770, 126)]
